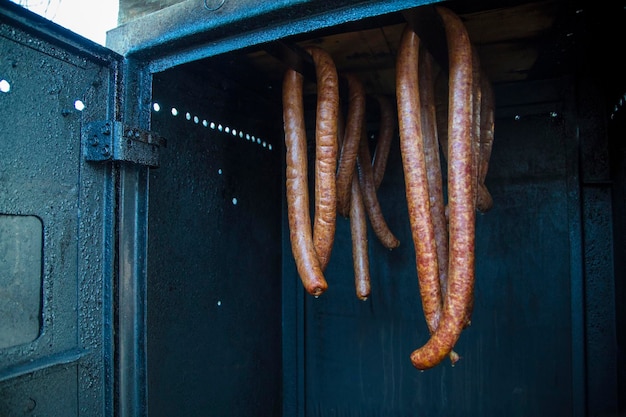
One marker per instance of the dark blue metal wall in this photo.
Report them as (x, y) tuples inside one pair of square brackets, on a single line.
[(214, 269)]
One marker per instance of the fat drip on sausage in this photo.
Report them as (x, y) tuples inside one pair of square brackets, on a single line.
[(461, 204), (297, 187), (416, 178), (324, 221)]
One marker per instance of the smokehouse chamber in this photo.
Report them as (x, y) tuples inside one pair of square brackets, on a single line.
[(146, 257)]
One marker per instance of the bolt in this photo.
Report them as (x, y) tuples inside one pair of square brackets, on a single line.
[(94, 140), (106, 129), (105, 150)]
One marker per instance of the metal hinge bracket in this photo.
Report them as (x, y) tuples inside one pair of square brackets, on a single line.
[(114, 141)]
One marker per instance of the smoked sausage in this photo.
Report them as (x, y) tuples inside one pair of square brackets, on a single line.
[(484, 201), (415, 176), (461, 205), (297, 187), (433, 163), (324, 221), (350, 145), (388, 121), (358, 229), (368, 190)]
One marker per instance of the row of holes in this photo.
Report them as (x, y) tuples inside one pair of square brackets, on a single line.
[(5, 87), (217, 126)]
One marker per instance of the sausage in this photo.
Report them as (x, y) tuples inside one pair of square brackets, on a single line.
[(441, 105), (415, 176), (434, 174), (433, 165), (461, 205), (324, 221), (484, 202), (386, 130), (350, 145), (476, 106), (297, 188), (368, 189), (358, 229)]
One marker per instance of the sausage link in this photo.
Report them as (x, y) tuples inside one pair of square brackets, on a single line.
[(297, 187), (324, 221), (476, 106), (433, 165), (386, 130), (461, 205), (350, 145), (415, 176), (441, 105), (485, 202), (368, 189), (358, 229)]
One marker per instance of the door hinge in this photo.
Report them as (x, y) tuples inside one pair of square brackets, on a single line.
[(114, 141)]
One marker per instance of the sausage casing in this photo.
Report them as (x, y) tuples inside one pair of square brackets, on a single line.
[(368, 190), (461, 203), (324, 221), (358, 229), (388, 121), (415, 176), (350, 146), (297, 187)]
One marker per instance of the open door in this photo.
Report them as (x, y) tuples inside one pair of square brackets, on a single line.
[(57, 222)]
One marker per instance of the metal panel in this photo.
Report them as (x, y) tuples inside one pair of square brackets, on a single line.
[(66, 369), (214, 265), (188, 31)]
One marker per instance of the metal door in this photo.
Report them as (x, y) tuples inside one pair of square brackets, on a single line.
[(56, 222)]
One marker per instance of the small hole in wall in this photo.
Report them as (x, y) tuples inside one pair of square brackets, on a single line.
[(174, 111), (79, 105), (156, 107), (5, 86)]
